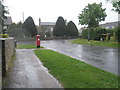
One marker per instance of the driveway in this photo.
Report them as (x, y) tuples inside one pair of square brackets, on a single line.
[(101, 57)]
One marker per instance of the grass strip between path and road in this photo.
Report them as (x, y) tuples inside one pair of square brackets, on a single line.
[(27, 46), (96, 43), (73, 73)]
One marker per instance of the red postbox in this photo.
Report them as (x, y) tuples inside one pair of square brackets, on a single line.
[(38, 40)]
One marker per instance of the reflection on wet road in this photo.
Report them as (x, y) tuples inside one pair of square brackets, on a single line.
[(101, 57)]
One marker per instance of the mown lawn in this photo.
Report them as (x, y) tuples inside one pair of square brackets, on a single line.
[(27, 46), (96, 43), (73, 73)]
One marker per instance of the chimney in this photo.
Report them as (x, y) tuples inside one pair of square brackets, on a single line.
[(39, 22)]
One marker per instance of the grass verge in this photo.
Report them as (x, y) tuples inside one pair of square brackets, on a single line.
[(27, 46), (73, 73), (96, 43)]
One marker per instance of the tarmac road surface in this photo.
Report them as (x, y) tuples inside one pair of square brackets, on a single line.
[(28, 72), (101, 57)]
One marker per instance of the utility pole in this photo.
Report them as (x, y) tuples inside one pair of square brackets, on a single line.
[(23, 16)]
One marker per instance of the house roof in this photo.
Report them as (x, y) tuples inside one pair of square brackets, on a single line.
[(116, 24), (47, 23), (8, 21)]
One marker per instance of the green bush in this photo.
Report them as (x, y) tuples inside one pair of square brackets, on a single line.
[(5, 35), (93, 33), (111, 31), (117, 34), (85, 33), (0, 36), (98, 31)]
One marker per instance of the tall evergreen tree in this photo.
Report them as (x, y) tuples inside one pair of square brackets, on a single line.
[(72, 29), (29, 25), (60, 27)]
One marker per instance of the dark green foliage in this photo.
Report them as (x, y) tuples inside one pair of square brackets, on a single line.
[(111, 31), (60, 27), (29, 25), (117, 34), (98, 31), (92, 15), (93, 33), (72, 29), (48, 34), (85, 33), (17, 31), (3, 16), (116, 5), (88, 33)]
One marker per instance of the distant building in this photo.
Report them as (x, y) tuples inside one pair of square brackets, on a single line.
[(46, 28), (110, 25), (8, 21)]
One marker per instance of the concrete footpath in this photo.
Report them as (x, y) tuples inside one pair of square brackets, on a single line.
[(28, 72)]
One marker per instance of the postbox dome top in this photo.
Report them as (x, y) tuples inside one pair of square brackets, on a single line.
[(37, 35)]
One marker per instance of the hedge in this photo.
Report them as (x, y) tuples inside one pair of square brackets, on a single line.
[(93, 33), (117, 34), (111, 31)]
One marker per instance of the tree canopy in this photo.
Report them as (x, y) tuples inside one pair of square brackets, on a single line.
[(116, 5), (72, 29), (3, 11), (92, 15), (60, 27), (29, 25)]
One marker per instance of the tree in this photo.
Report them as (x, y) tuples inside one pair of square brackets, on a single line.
[(72, 29), (116, 5), (60, 27), (19, 23), (29, 25), (3, 11), (92, 15)]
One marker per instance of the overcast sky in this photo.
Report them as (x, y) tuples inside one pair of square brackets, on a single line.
[(50, 10)]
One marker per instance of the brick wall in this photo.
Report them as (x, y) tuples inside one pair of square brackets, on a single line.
[(8, 50)]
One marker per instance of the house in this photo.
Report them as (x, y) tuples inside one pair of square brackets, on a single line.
[(110, 25), (46, 28), (8, 21)]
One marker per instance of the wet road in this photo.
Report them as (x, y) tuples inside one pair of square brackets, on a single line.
[(101, 57)]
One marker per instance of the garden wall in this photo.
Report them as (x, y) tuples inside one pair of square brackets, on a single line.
[(33, 39), (0, 65), (8, 50)]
